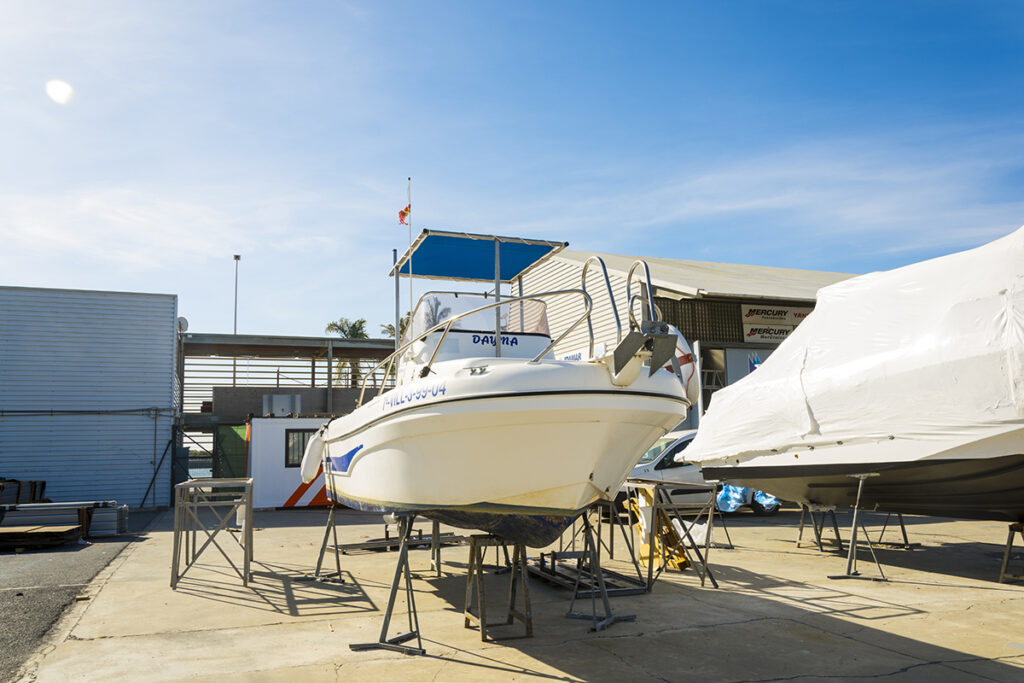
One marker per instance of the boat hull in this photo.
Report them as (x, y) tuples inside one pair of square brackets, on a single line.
[(970, 488), (522, 463)]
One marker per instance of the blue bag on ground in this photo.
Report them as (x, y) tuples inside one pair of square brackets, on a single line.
[(767, 500), (731, 498)]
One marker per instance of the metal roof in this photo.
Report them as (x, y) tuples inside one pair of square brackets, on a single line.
[(704, 278), (283, 347), (469, 257)]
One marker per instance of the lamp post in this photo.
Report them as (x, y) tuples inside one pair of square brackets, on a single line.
[(234, 360)]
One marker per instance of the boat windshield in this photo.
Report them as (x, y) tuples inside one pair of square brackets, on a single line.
[(520, 317)]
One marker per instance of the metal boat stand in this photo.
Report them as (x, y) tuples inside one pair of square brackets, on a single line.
[(592, 555), (478, 544), (851, 558), (211, 494), (663, 513), (1014, 529), (818, 525), (395, 643), (553, 568), (416, 540), (335, 576), (906, 545)]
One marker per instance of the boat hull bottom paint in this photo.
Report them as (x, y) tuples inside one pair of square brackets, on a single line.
[(975, 488), (534, 530)]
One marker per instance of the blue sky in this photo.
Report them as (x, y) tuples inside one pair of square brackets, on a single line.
[(841, 136)]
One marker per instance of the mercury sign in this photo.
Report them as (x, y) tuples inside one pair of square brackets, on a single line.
[(767, 314), (766, 334)]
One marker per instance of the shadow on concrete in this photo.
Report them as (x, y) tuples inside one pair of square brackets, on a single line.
[(929, 551), (757, 628), (282, 589)]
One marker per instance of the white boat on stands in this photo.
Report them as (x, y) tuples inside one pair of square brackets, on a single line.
[(486, 430)]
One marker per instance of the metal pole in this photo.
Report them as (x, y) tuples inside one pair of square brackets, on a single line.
[(330, 376), (234, 360), (398, 315), (497, 297), (700, 385), (409, 197)]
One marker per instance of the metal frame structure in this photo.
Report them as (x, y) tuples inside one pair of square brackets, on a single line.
[(396, 643), (851, 557), (818, 525), (478, 544), (213, 495), (662, 507), (1003, 574)]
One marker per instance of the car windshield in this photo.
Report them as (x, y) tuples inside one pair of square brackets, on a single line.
[(654, 451)]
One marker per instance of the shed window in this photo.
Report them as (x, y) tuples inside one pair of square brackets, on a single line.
[(295, 441)]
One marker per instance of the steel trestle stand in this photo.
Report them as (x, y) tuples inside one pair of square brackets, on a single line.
[(591, 553), (818, 526), (1003, 574), (907, 545), (478, 544), (851, 558), (401, 571), (335, 576)]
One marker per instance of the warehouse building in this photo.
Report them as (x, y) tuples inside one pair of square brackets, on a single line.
[(734, 315), (87, 392)]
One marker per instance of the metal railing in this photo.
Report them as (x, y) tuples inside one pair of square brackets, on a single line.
[(446, 325), (646, 296), (611, 300), (204, 373)]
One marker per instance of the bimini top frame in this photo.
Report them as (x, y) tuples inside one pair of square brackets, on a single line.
[(467, 257)]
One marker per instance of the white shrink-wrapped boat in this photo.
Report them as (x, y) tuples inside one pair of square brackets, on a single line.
[(485, 429), (915, 375)]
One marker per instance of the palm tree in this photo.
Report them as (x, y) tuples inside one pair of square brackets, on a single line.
[(349, 329), (389, 329)]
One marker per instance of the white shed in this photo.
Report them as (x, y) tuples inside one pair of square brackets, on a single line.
[(87, 392), (276, 445)]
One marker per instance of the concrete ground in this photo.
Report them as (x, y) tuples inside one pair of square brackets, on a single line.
[(776, 615), (37, 585)]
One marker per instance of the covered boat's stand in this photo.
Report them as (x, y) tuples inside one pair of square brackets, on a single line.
[(1015, 529)]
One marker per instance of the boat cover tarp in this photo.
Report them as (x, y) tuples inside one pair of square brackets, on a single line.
[(466, 256), (918, 361)]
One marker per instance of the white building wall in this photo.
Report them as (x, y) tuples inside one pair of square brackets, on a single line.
[(563, 311), (87, 392)]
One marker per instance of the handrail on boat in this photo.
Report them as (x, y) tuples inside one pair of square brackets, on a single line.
[(645, 283), (447, 324), (611, 299)]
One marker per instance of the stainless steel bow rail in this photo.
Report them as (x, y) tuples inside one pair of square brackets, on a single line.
[(214, 496)]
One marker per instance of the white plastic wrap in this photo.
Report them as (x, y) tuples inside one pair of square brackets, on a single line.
[(911, 363)]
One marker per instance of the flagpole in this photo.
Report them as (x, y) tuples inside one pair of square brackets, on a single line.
[(409, 204)]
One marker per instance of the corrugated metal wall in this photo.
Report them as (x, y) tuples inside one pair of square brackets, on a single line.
[(87, 391), (565, 310)]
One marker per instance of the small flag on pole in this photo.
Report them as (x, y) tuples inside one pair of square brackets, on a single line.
[(404, 213)]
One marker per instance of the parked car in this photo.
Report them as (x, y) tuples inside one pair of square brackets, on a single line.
[(659, 462)]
